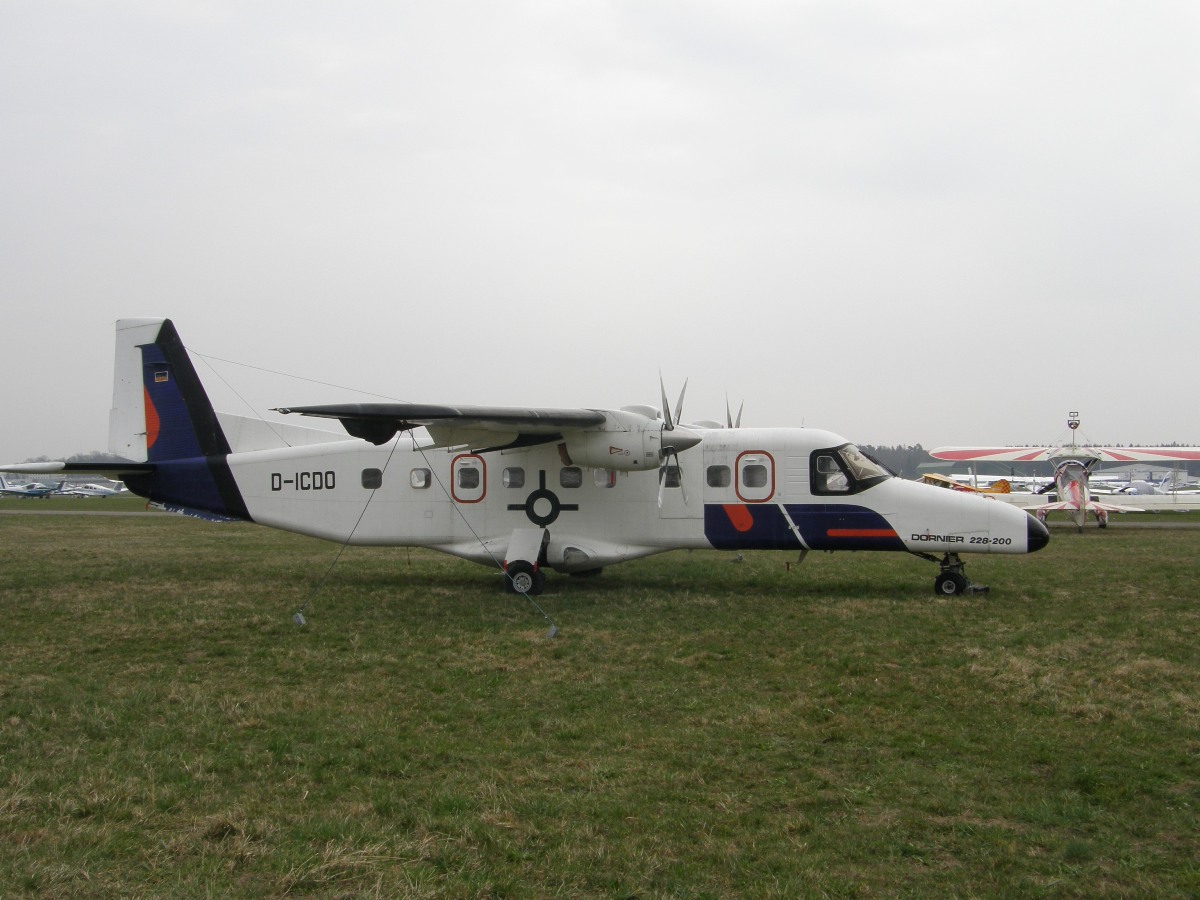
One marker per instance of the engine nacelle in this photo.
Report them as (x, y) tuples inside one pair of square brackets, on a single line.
[(621, 451)]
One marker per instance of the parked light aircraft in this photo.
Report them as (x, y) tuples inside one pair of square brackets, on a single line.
[(33, 490), (1073, 465), (93, 489), (571, 490)]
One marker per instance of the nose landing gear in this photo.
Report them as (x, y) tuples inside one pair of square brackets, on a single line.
[(952, 580)]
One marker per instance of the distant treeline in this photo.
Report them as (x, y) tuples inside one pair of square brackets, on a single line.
[(901, 459)]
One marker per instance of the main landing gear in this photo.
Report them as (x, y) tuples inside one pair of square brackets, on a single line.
[(522, 565), (522, 577), (952, 580)]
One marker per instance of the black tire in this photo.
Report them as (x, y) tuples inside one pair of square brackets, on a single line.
[(522, 578), (948, 584)]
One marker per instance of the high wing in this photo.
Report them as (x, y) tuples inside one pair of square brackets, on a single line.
[(1040, 454), (999, 454), (1148, 454), (477, 427)]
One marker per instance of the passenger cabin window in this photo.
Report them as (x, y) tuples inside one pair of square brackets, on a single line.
[(372, 479), (468, 478), (754, 475), (419, 478), (717, 476), (513, 477), (570, 477), (844, 470)]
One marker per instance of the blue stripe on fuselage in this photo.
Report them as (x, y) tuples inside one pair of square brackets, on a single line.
[(823, 526)]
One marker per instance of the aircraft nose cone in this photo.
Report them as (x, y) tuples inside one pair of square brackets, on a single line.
[(1038, 534)]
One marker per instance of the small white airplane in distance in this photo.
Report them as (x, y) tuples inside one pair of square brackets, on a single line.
[(1073, 465), (526, 490), (32, 490), (94, 489)]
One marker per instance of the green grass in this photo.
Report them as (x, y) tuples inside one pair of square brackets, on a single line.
[(700, 727)]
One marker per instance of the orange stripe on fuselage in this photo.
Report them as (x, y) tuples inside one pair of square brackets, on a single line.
[(860, 533), (739, 516)]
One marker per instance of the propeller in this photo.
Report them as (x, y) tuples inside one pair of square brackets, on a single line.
[(674, 439)]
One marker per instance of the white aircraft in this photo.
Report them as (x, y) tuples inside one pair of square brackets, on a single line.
[(33, 490), (1073, 466), (94, 489), (527, 490)]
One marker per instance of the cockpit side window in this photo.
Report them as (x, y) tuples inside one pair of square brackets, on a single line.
[(844, 470)]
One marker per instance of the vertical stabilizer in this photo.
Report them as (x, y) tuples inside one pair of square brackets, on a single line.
[(180, 422), (162, 415)]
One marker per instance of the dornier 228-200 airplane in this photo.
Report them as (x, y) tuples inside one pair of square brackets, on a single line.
[(526, 490)]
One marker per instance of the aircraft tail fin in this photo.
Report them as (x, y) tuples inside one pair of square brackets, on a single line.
[(162, 416), (160, 409)]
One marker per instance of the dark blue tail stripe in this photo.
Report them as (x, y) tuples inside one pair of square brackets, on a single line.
[(188, 448)]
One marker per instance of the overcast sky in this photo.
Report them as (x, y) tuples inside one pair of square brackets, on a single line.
[(937, 222)]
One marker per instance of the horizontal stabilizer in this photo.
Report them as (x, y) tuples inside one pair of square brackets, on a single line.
[(114, 470)]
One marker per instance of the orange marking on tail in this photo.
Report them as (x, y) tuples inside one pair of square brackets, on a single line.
[(151, 420)]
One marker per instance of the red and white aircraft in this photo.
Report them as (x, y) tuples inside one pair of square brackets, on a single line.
[(1073, 465), (526, 490)]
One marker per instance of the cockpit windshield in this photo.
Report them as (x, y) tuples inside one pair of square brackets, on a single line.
[(844, 470), (861, 466)]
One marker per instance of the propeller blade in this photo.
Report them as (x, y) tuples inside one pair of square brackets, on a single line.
[(729, 423), (679, 405), (663, 473), (666, 407)]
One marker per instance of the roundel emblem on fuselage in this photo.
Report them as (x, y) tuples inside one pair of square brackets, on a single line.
[(542, 506)]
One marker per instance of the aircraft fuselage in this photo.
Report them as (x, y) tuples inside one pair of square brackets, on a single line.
[(741, 489)]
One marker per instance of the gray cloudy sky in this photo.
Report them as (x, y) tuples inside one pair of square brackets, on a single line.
[(940, 222)]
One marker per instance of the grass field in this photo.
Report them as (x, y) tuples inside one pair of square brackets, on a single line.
[(700, 727)]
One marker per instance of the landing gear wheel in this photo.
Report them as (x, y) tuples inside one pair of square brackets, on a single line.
[(522, 578), (948, 584)]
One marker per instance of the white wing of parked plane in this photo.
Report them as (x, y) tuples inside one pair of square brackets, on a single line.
[(1040, 454)]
